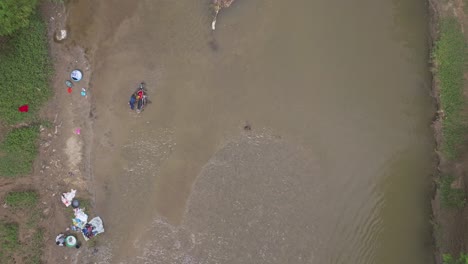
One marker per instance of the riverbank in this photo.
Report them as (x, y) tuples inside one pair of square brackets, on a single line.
[(450, 90), (41, 154), (68, 153)]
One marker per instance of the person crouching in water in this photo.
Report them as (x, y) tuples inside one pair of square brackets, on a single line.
[(132, 101)]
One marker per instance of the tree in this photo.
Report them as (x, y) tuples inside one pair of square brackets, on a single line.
[(14, 14)]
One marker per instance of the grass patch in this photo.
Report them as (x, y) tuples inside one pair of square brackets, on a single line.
[(22, 199), (449, 55), (35, 216), (92, 243), (33, 251), (30, 250), (449, 259), (18, 151), (450, 197), (25, 69), (438, 233), (9, 241), (84, 204)]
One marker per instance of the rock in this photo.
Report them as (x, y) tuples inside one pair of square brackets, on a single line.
[(217, 6), (60, 35)]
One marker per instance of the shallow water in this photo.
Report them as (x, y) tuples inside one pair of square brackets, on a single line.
[(336, 167)]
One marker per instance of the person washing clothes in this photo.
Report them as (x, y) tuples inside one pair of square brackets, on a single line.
[(132, 101)]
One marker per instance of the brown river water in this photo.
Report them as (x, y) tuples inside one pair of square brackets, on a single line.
[(336, 166)]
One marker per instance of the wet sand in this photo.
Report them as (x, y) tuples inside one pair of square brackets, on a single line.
[(335, 167)]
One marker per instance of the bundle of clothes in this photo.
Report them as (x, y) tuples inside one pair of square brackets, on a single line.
[(89, 231), (80, 221), (91, 228)]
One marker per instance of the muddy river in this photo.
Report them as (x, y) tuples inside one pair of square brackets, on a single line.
[(294, 133)]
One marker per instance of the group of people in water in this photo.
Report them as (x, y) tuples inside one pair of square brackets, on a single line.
[(138, 98)]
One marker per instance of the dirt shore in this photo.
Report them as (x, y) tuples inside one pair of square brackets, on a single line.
[(64, 158)]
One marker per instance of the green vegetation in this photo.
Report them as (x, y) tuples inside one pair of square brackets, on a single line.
[(22, 199), (451, 197), (32, 253), (437, 232), (25, 69), (449, 56), (15, 14), (449, 259), (85, 204), (18, 151), (35, 216), (16, 250), (9, 240)]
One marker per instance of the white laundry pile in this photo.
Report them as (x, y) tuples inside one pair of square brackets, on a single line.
[(68, 197), (80, 219)]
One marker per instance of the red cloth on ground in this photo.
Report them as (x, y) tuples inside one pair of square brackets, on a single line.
[(23, 108), (69, 90)]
